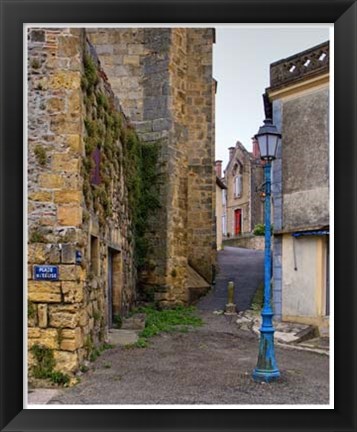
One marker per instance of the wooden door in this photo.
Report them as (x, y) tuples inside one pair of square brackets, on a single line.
[(115, 286), (237, 221)]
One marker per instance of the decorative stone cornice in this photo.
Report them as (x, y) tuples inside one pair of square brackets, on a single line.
[(299, 67)]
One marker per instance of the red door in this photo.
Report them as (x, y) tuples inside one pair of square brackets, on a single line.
[(237, 221)]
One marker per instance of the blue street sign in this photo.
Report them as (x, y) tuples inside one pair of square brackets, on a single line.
[(45, 272), (78, 257)]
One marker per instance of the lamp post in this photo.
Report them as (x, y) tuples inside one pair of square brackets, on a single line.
[(267, 369)]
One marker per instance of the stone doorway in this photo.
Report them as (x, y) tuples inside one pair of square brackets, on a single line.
[(115, 285)]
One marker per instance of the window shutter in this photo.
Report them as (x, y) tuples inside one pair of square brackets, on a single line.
[(95, 174), (240, 185)]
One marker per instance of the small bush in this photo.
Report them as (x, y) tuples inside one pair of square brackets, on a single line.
[(259, 230), (59, 378), (45, 361)]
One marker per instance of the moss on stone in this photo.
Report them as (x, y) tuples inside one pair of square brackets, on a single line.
[(90, 71), (35, 63), (36, 236), (40, 154), (31, 310)]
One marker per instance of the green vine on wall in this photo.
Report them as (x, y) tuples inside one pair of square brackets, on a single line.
[(138, 161), (142, 177)]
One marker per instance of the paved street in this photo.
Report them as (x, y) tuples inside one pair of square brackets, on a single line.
[(208, 365), (245, 267)]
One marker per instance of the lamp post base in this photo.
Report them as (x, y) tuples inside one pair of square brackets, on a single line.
[(261, 375), (266, 369)]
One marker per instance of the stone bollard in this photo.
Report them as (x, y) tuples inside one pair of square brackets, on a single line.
[(230, 306)]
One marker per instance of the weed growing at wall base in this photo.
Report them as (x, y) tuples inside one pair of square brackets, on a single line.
[(179, 319), (45, 363)]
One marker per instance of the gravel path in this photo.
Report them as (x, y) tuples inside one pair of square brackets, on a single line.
[(208, 365), (211, 364)]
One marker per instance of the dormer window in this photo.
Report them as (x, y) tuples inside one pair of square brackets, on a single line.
[(237, 168)]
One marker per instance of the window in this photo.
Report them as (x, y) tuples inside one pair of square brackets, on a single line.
[(238, 186), (224, 225), (223, 197)]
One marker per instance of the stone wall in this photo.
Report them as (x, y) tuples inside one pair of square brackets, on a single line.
[(201, 152), (219, 216), (257, 206), (163, 78), (246, 241), (305, 154), (78, 212)]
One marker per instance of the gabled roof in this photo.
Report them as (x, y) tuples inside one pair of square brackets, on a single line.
[(239, 146)]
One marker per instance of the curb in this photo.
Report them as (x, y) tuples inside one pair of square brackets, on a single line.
[(250, 323)]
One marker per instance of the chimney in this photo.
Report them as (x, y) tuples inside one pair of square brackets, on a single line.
[(231, 152), (218, 167), (256, 151)]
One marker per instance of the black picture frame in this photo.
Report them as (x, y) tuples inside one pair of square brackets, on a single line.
[(15, 13)]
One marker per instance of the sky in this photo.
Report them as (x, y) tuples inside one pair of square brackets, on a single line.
[(241, 59)]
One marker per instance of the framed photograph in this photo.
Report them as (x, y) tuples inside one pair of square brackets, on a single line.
[(91, 95)]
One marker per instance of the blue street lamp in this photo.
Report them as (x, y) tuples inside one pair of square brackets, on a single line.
[(267, 369)]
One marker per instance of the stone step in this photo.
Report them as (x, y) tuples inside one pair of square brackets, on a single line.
[(123, 337), (196, 284)]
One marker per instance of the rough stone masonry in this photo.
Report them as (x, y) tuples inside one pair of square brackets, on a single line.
[(163, 78), (84, 101)]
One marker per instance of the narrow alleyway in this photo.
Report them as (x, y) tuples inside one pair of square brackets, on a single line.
[(245, 267), (211, 364)]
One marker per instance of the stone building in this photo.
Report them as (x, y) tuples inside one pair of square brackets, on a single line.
[(221, 189), (243, 177), (115, 116), (298, 102), (164, 80)]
